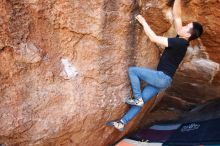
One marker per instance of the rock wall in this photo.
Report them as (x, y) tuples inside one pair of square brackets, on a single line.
[(63, 66)]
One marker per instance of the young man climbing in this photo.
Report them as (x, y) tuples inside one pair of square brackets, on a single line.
[(160, 79)]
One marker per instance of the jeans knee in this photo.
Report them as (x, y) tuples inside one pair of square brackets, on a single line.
[(131, 70)]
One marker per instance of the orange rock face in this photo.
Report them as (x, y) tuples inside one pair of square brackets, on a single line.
[(63, 66)]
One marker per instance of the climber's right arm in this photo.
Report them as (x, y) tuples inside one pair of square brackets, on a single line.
[(149, 32), (177, 15)]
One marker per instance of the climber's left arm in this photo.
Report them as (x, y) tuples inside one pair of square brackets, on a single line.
[(149, 32)]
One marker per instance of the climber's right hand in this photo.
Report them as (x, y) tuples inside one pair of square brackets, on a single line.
[(140, 19)]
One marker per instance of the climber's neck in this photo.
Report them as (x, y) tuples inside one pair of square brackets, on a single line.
[(185, 38)]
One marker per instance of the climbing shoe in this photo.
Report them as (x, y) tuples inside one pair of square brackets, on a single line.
[(136, 101), (116, 124)]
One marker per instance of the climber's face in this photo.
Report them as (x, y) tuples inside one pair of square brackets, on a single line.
[(185, 31)]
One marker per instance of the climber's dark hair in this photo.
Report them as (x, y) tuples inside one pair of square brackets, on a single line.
[(196, 31)]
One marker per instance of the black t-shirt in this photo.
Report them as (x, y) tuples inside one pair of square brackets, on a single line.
[(172, 55)]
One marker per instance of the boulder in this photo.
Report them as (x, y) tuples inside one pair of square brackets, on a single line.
[(63, 67)]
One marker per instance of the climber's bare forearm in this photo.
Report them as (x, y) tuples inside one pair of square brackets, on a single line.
[(177, 15), (149, 32), (177, 9)]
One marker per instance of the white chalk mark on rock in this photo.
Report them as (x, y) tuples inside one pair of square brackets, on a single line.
[(68, 71), (169, 15), (28, 53)]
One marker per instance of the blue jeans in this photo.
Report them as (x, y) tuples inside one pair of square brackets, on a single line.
[(156, 81)]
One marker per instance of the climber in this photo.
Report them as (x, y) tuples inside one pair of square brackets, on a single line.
[(160, 79)]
